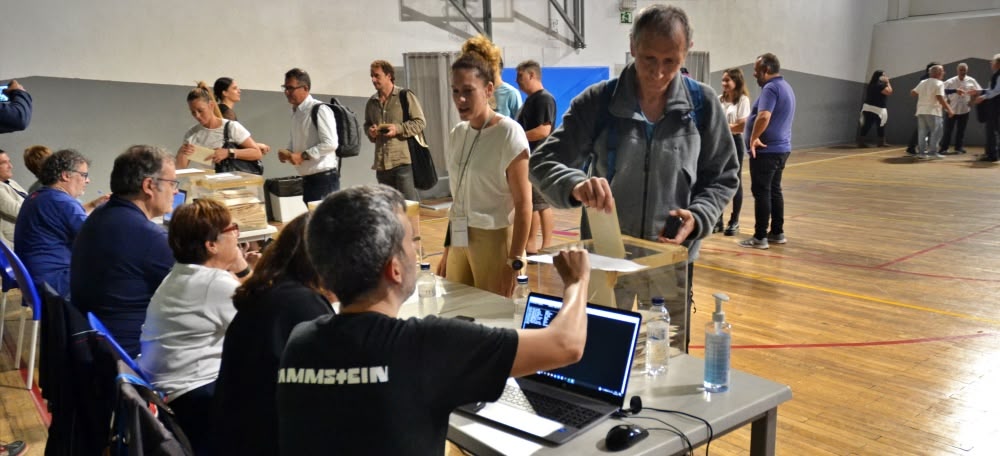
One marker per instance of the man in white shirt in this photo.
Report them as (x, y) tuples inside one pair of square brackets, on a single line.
[(957, 90), (11, 197), (930, 102), (312, 148)]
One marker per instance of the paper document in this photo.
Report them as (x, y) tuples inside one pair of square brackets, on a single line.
[(607, 234), (202, 156), (599, 262)]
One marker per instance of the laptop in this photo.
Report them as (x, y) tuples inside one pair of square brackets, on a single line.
[(179, 198), (556, 405)]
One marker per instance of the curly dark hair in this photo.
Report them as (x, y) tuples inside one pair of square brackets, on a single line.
[(66, 160)]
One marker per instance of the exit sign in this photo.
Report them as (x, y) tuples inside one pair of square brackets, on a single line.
[(625, 17)]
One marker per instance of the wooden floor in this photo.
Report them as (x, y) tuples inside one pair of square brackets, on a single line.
[(880, 312)]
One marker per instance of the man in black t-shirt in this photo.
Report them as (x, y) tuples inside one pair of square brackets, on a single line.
[(537, 117), (366, 382)]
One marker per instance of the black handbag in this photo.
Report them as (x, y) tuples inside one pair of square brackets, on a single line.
[(424, 174), (235, 164)]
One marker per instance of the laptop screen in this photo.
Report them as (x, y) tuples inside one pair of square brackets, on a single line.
[(603, 371), (179, 199)]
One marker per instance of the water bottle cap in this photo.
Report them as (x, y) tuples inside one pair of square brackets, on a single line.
[(522, 279), (425, 266), (658, 301)]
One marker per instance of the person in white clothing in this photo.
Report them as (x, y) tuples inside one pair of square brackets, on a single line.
[(188, 315), (958, 89), (930, 102), (312, 147), (488, 161), (210, 132), (12, 195)]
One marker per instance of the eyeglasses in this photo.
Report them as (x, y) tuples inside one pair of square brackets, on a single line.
[(234, 227), (81, 173), (288, 88), (173, 183)]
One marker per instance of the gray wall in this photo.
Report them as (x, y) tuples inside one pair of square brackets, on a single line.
[(102, 118)]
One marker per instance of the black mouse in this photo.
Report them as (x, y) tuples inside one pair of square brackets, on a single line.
[(624, 436)]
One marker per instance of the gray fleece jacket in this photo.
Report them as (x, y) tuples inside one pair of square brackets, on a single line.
[(680, 167)]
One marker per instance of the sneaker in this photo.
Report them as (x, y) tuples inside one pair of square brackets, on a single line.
[(959, 151), (13, 448), (911, 151), (922, 157), (754, 243), (733, 228), (777, 238), (935, 156)]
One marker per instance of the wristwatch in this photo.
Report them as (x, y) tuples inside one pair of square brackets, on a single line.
[(516, 263), (306, 156), (232, 153)]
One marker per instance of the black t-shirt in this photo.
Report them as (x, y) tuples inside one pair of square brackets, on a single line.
[(246, 408), (538, 109), (370, 384), (875, 97)]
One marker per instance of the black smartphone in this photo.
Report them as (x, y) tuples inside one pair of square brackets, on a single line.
[(464, 318), (383, 130), (672, 227), (3, 95)]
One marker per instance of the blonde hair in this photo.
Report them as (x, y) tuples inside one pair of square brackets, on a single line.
[(204, 93), (480, 54)]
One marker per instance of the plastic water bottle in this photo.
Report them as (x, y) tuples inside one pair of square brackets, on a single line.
[(657, 338), (718, 343), (521, 292), (427, 290)]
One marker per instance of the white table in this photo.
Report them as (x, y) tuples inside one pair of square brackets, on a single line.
[(751, 400), (257, 235)]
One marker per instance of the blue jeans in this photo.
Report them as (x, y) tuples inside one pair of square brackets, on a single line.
[(928, 129), (316, 186), (399, 178)]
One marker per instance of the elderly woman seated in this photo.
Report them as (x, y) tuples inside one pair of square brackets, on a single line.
[(188, 315)]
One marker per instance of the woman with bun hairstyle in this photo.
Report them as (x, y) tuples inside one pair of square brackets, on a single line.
[(227, 92), (487, 158), (210, 132)]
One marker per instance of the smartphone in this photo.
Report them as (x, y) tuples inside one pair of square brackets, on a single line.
[(3, 94), (383, 130), (672, 227)]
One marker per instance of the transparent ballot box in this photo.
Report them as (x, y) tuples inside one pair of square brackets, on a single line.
[(242, 193), (665, 275)]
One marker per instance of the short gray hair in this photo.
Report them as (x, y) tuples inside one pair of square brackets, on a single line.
[(352, 235), (660, 20), (936, 69), (996, 58), (134, 165), (963, 65)]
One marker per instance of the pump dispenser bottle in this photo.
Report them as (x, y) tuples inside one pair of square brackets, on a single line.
[(718, 342)]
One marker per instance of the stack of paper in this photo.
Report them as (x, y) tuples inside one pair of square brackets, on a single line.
[(247, 210)]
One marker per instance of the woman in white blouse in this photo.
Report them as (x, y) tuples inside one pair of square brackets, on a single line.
[(735, 100), (187, 318), (488, 163), (210, 132)]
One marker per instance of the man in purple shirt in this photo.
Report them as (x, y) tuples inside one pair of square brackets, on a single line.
[(769, 133)]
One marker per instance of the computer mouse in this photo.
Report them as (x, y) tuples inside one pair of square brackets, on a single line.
[(624, 436)]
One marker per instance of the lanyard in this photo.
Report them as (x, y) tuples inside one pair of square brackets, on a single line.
[(468, 159)]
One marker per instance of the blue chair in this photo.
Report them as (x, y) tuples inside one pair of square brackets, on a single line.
[(9, 283), (96, 325), (29, 295)]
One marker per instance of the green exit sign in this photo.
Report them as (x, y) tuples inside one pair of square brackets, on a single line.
[(625, 17)]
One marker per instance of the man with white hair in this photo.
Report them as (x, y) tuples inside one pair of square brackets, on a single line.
[(930, 102), (957, 90)]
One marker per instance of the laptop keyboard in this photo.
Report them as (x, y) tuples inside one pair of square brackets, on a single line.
[(548, 407)]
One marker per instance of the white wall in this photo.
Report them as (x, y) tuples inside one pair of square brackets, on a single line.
[(928, 7), (255, 41), (905, 46)]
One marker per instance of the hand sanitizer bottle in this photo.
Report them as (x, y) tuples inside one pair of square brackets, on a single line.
[(718, 342)]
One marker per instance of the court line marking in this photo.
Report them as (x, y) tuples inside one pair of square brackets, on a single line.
[(852, 295), (932, 248), (842, 157)]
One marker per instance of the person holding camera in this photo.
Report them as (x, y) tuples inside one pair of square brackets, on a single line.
[(15, 113)]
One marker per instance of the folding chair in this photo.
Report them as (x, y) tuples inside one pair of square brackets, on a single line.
[(29, 294), (9, 283), (96, 325)]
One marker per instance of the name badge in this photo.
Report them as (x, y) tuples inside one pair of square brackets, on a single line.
[(460, 232)]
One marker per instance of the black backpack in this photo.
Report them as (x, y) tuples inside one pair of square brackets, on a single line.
[(348, 129)]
